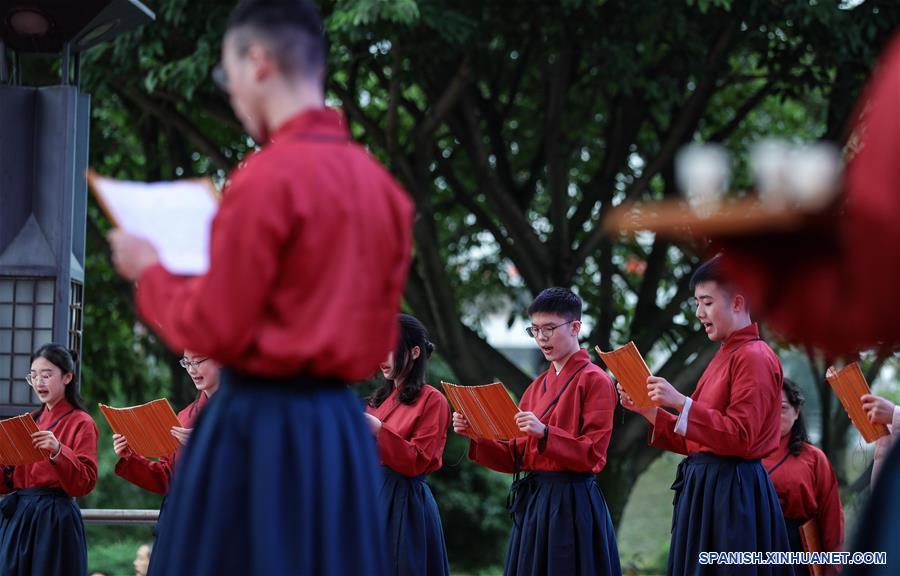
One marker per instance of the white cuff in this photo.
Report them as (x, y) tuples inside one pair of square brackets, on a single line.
[(682, 422)]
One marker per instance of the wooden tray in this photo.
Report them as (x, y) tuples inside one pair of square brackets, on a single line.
[(741, 217)]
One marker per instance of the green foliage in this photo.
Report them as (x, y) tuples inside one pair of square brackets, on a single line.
[(353, 14)]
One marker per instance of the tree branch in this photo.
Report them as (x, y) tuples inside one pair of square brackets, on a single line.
[(681, 129), (182, 124)]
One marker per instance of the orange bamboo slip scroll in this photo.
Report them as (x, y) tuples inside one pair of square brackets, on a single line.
[(16, 448), (147, 427), (849, 384), (629, 368), (489, 409), (812, 542)]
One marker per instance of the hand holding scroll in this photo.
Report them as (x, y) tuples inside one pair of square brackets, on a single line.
[(648, 413), (461, 425), (664, 393), (121, 447), (878, 410), (131, 254), (46, 440), (181, 434), (529, 423)]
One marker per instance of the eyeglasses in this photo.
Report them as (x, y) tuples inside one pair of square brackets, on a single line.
[(545, 331), (187, 364), (220, 77), (32, 380)]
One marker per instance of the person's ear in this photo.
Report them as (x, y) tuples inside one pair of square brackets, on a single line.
[(67, 378), (263, 61), (739, 303), (415, 352), (576, 327)]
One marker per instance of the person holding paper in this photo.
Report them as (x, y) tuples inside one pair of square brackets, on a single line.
[(880, 410), (41, 531), (803, 478), (410, 419), (724, 500), (561, 524), (309, 252), (156, 476)]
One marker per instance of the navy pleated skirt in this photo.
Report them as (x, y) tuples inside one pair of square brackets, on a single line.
[(41, 534), (561, 525), (725, 504), (413, 526), (279, 477)]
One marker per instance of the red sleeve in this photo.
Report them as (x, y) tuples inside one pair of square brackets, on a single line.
[(831, 514), (662, 432), (76, 464), (494, 455), (585, 450), (736, 431), (424, 451), (187, 312), (148, 474)]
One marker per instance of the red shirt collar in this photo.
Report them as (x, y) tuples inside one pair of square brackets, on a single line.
[(742, 336), (575, 361), (324, 122), (61, 408)]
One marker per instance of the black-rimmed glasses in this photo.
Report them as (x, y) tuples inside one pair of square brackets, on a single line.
[(545, 331), (187, 364)]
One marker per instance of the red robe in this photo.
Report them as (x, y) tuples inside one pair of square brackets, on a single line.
[(412, 436), (580, 423), (156, 475), (308, 258), (807, 488), (736, 406), (837, 290), (74, 470)]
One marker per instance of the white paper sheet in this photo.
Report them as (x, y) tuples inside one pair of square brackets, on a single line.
[(175, 217)]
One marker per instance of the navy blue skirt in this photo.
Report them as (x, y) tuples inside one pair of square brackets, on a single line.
[(725, 504), (41, 534), (413, 525), (279, 477), (561, 525)]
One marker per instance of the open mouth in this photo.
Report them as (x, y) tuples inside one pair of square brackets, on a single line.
[(707, 327), (547, 350)]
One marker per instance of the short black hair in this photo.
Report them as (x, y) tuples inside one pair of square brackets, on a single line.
[(556, 300), (710, 271), (292, 29)]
